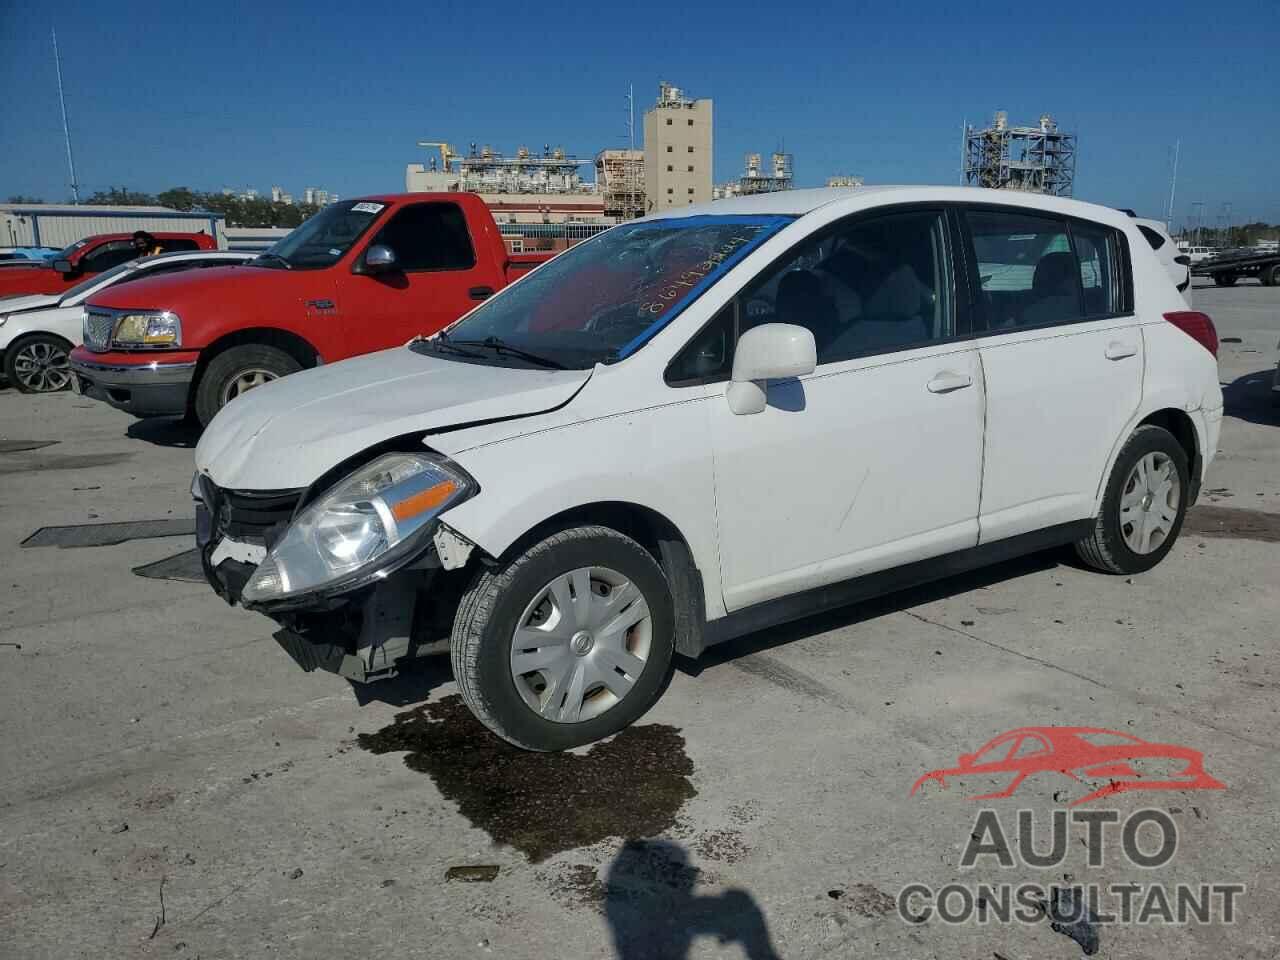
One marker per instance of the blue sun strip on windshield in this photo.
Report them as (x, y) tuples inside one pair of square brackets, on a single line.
[(770, 225)]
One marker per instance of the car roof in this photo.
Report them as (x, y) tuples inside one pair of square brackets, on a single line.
[(801, 202)]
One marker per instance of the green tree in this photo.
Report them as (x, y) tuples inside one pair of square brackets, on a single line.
[(19, 198), (179, 198), (122, 197)]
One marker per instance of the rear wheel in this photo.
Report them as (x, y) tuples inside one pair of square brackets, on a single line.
[(1271, 276), (1225, 279), (237, 371), (38, 364), (569, 642), (1143, 507)]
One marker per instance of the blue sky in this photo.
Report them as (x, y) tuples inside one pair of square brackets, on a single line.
[(222, 94)]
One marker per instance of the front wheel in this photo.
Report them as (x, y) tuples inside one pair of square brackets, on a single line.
[(1225, 279), (568, 642), (1143, 507), (38, 364), (237, 371)]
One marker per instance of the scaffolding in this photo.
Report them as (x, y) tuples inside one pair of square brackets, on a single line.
[(1039, 159), (620, 180), (756, 179)]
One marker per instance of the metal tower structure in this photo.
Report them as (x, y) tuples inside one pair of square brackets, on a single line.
[(1039, 159)]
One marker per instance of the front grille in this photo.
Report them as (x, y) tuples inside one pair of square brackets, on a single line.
[(250, 516), (98, 327)]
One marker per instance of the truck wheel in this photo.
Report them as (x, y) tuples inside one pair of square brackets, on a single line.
[(1224, 279), (1271, 276), (238, 371), (38, 364), (1143, 507), (566, 643)]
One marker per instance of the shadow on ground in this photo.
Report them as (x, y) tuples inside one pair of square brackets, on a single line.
[(1248, 398), (165, 432), (870, 609)]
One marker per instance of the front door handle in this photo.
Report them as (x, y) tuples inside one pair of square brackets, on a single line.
[(947, 381), (480, 293), (1118, 351)]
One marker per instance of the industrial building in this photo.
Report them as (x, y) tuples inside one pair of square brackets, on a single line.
[(59, 225), (620, 181), (844, 181), (756, 179), (1039, 159), (677, 150)]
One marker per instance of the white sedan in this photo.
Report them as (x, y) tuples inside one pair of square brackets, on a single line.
[(37, 331)]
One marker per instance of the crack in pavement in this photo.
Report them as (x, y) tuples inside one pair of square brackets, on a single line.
[(1137, 698)]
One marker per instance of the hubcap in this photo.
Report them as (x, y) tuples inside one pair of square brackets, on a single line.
[(42, 367), (245, 381), (1149, 503), (581, 644)]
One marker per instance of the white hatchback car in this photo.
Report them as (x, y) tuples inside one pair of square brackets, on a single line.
[(39, 330), (699, 424)]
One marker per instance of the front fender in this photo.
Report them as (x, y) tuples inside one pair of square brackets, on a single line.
[(658, 458)]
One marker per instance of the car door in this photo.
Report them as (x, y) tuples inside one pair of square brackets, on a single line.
[(873, 459), (437, 280), (1062, 358)]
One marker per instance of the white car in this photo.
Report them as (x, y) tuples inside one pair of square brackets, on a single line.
[(1176, 263), (703, 423), (1197, 254), (37, 331)]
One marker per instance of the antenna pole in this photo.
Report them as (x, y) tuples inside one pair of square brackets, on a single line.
[(631, 115), (66, 130), (1168, 223)]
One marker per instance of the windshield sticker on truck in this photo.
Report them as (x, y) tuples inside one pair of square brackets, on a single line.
[(367, 207)]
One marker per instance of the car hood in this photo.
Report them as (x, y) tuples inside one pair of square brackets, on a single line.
[(188, 288), (287, 433), (28, 301)]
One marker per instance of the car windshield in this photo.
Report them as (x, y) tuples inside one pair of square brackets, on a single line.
[(66, 252), (603, 299), (322, 240), (97, 280)]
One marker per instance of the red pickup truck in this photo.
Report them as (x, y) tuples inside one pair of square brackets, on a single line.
[(361, 275), (86, 257)]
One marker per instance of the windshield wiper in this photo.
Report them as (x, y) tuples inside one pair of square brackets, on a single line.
[(445, 345), (273, 256), (498, 345)]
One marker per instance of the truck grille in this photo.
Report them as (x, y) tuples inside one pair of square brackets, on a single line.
[(98, 327)]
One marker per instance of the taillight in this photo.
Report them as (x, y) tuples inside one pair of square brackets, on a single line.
[(1197, 326)]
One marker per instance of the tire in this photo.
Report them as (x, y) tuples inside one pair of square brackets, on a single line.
[(1111, 546), (218, 384), (518, 593), (1225, 279), (1271, 276), (38, 364)]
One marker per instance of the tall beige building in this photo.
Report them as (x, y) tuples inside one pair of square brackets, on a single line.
[(677, 151)]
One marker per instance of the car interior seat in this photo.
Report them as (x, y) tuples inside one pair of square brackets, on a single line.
[(1054, 292), (802, 301)]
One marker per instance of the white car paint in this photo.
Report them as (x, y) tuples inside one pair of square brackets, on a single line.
[(62, 314), (871, 472), (1167, 253)]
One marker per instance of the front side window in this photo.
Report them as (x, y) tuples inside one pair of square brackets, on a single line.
[(869, 286), (605, 298), (321, 240), (429, 236), (108, 255)]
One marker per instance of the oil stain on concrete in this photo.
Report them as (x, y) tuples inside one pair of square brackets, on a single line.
[(544, 803), (1232, 523)]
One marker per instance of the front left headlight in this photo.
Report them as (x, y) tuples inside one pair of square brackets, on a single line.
[(362, 528), (148, 330)]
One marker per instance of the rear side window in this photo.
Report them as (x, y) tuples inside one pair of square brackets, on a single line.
[(1153, 238), (429, 236), (175, 245), (1037, 271)]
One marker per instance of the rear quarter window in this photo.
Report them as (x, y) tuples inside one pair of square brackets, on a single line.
[(1153, 238)]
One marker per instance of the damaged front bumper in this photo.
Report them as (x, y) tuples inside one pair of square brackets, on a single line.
[(366, 634)]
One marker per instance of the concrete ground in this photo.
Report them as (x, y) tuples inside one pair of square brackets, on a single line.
[(171, 785)]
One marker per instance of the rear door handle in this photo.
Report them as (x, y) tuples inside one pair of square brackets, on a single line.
[(947, 381), (1118, 351), (480, 293)]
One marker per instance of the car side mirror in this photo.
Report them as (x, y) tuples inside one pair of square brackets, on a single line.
[(771, 351), (378, 259), (63, 266)]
